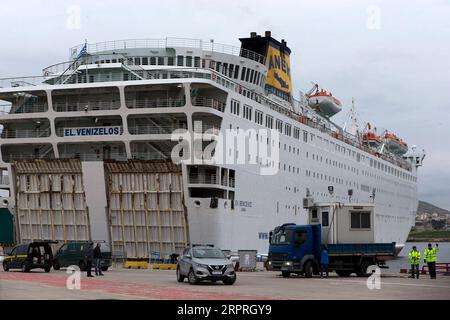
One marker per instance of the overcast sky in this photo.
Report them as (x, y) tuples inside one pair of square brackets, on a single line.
[(393, 57)]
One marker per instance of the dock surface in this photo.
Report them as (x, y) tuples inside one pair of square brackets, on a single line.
[(119, 283)]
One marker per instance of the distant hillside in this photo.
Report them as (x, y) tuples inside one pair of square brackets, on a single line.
[(425, 207)]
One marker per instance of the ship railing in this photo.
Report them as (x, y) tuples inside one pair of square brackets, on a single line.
[(150, 156), (29, 108), (59, 68), (5, 108), (209, 128), (203, 179), (4, 180), (24, 133), (86, 106), (208, 102), (16, 157), (23, 81), (149, 129), (94, 156), (155, 103), (170, 42)]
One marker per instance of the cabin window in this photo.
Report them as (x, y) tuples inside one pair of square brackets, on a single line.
[(188, 61), (145, 61), (179, 61), (360, 220), (269, 122), (235, 106), (137, 61), (279, 126), (258, 117), (305, 136), (153, 61), (236, 72), (325, 222), (244, 69), (252, 72), (170, 61), (247, 75), (160, 61)]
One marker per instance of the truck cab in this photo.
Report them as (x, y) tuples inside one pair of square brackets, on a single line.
[(294, 249)]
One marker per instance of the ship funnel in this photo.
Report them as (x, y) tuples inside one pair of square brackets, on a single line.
[(268, 34), (252, 34)]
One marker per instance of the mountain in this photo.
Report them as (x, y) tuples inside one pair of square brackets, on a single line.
[(425, 207)]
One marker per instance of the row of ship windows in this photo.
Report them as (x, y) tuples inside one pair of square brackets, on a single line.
[(331, 146), (228, 69)]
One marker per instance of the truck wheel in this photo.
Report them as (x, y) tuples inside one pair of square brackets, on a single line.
[(47, 269), (343, 273), (56, 265), (285, 274), (5, 266), (362, 272), (105, 269), (308, 269)]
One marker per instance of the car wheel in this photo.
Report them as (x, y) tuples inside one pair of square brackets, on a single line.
[(56, 265), (192, 278), (82, 266), (230, 281), (308, 269), (47, 269), (104, 268), (180, 277), (25, 268), (5, 266)]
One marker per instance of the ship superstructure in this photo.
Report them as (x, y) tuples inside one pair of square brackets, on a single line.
[(87, 148)]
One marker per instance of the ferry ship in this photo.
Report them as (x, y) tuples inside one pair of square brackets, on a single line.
[(87, 149)]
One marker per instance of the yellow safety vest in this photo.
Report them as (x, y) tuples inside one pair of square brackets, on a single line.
[(430, 254), (414, 257)]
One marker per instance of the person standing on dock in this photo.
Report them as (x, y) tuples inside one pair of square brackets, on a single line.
[(324, 261), (89, 257), (414, 261), (98, 260), (430, 259)]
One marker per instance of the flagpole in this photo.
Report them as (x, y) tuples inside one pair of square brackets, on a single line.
[(86, 60)]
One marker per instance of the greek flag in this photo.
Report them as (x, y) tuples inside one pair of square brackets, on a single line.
[(82, 52)]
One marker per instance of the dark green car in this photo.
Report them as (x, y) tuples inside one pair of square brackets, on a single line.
[(30, 255), (74, 252)]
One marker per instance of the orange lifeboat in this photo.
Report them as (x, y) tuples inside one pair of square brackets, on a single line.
[(395, 144), (371, 139), (324, 102)]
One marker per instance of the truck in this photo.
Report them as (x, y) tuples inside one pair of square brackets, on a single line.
[(347, 232)]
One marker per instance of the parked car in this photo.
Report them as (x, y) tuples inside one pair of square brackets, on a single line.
[(201, 263), (30, 255), (74, 252)]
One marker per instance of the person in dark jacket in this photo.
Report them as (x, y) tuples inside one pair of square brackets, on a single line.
[(324, 261), (89, 257), (98, 260)]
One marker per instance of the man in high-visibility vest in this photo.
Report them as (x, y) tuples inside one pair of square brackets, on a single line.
[(414, 261), (430, 259)]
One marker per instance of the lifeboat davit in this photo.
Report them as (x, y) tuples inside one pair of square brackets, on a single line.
[(395, 144), (325, 103), (371, 139)]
